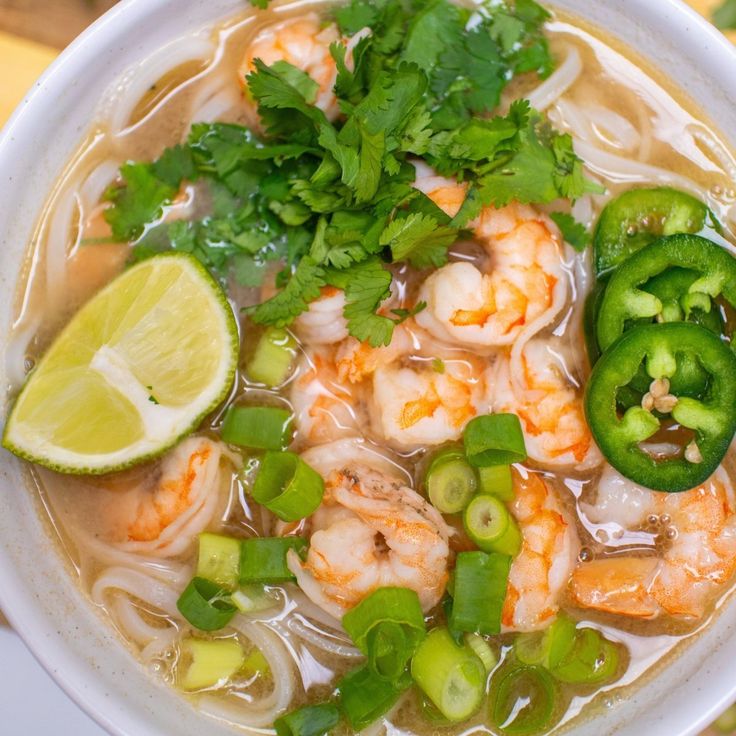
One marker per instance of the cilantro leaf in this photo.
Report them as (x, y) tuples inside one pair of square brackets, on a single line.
[(356, 15), (573, 232), (403, 314), (138, 202), (303, 287), (539, 167), (262, 4), (366, 285), (439, 25), (299, 80), (174, 165), (419, 239)]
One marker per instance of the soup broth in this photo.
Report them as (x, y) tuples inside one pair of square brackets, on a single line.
[(630, 125)]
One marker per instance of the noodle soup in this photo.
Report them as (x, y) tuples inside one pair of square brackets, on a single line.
[(370, 419)]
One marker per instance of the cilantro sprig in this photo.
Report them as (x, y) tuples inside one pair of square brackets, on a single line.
[(332, 203)]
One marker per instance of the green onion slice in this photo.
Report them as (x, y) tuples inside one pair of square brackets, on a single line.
[(489, 524), (494, 439), (549, 647), (364, 697), (497, 480), (213, 662), (387, 626), (523, 700), (481, 580), (272, 358), (218, 559), (451, 676), (257, 427), (263, 559), (592, 661), (312, 720), (206, 605), (451, 481), (287, 486), (483, 651)]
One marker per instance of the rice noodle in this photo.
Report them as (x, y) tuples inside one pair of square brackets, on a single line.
[(646, 131), (601, 123), (619, 169), (320, 639), (146, 588), (717, 150), (258, 714), (130, 619), (582, 210), (558, 83), (97, 182), (65, 212), (175, 573), (155, 649), (124, 97), (17, 350)]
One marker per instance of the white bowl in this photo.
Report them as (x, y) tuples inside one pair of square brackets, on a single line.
[(37, 592)]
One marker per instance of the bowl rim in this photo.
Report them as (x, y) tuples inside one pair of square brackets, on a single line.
[(122, 18)]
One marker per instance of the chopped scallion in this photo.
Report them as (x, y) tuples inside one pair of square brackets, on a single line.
[(494, 439), (252, 598), (213, 662), (481, 580), (452, 676), (257, 427), (497, 480), (272, 358), (451, 482), (219, 559), (312, 720), (287, 486), (263, 559), (206, 605), (364, 697), (483, 650), (523, 700), (548, 647), (387, 626), (592, 660), (489, 524)]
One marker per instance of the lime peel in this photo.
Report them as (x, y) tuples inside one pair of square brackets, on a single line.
[(134, 371)]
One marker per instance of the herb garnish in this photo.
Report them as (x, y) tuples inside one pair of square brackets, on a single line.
[(333, 201)]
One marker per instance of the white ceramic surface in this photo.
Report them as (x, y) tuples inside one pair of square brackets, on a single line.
[(66, 634), (31, 702)]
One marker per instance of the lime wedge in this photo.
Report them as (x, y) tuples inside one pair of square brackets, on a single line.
[(138, 367)]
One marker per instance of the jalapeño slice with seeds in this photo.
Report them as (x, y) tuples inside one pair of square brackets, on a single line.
[(627, 302), (711, 418)]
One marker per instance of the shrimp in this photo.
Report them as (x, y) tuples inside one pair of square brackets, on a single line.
[(323, 323), (161, 514), (534, 384), (417, 403), (541, 571), (325, 408), (372, 531), (520, 290), (694, 549), (305, 44)]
